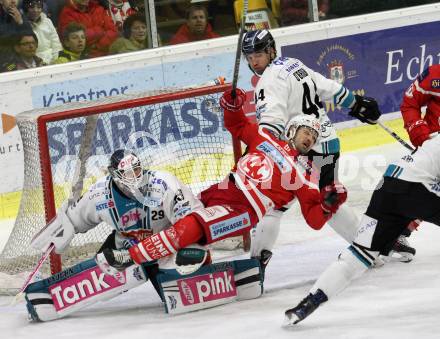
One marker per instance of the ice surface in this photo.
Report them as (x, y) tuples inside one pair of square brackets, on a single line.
[(395, 301)]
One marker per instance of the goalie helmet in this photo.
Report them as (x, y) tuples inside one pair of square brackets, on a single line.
[(257, 41), (302, 120), (126, 170)]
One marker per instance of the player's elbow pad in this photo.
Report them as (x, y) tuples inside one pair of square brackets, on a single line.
[(59, 231)]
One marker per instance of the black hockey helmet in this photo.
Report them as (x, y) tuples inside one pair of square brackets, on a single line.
[(126, 169), (257, 41)]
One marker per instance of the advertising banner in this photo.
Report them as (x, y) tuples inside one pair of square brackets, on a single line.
[(379, 64)]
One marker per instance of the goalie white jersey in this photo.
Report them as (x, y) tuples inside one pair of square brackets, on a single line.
[(423, 166), (288, 88), (163, 200)]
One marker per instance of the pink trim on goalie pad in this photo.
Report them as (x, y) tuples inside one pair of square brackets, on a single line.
[(81, 287), (207, 287)]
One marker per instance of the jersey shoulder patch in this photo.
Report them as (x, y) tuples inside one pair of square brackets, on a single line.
[(431, 78), (99, 189), (286, 66)]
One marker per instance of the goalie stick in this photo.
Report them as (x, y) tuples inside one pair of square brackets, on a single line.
[(80, 171), (20, 295)]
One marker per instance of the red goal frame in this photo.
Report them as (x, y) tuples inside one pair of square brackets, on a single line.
[(43, 120)]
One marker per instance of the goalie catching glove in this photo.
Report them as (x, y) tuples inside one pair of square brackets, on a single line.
[(233, 103), (333, 196), (366, 110)]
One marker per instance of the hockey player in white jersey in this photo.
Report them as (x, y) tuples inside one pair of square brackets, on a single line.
[(287, 88), (410, 190), (135, 202)]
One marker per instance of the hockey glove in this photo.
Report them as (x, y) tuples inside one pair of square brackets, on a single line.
[(366, 110), (231, 103), (332, 196), (418, 132)]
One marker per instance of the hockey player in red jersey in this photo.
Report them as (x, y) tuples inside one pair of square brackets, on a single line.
[(268, 176), (424, 91), (286, 87)]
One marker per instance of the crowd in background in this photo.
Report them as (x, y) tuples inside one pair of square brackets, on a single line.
[(36, 33)]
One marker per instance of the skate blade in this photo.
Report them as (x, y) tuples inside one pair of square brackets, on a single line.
[(398, 257)]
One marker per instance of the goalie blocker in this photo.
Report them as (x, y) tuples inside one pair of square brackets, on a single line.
[(84, 284)]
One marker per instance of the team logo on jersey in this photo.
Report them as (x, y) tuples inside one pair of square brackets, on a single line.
[(105, 205), (256, 167), (435, 83), (229, 226), (131, 217), (277, 157)]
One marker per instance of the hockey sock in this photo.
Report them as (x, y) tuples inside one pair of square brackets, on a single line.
[(184, 232)]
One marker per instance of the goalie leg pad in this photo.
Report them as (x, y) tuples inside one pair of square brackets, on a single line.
[(75, 288), (211, 285)]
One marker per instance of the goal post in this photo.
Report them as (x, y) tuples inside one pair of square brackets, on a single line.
[(177, 130)]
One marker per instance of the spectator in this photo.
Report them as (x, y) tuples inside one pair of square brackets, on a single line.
[(12, 23), (295, 12), (196, 27), (135, 35), (48, 41), (101, 32), (54, 8), (24, 55), (118, 10), (74, 43), (138, 6)]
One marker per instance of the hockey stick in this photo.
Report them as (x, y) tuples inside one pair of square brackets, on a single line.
[(236, 144), (395, 136), (238, 52), (20, 295), (80, 171)]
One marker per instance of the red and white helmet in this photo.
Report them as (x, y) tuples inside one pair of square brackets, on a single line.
[(302, 120)]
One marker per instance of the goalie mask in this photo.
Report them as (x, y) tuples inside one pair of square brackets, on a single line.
[(126, 170), (307, 121)]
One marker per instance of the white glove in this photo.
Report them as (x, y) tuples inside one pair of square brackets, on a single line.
[(59, 231)]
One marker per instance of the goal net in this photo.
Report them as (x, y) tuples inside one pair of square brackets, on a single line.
[(67, 148)]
